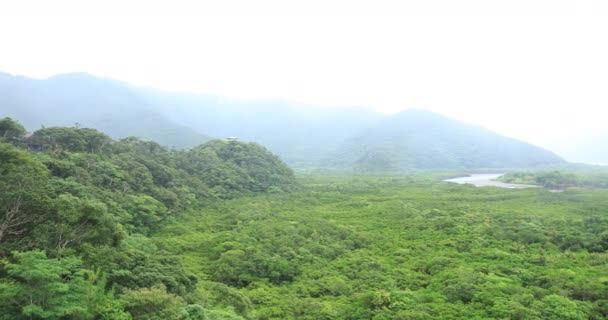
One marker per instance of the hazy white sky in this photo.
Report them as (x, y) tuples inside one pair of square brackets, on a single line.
[(531, 69)]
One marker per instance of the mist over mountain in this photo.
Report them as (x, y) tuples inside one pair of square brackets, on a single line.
[(422, 139), (79, 98), (591, 148), (302, 135)]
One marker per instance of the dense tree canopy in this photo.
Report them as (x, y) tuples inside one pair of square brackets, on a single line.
[(93, 228), (11, 130), (23, 199), (76, 208), (401, 248), (591, 178)]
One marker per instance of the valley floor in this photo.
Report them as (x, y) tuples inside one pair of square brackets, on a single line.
[(348, 247)]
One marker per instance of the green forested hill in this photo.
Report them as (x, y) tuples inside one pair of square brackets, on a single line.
[(302, 135), (93, 228), (76, 210), (107, 105), (421, 139)]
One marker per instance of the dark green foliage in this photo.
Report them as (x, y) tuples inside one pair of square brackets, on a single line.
[(58, 139), (138, 263), (11, 130), (589, 178), (90, 202), (234, 167), (23, 194)]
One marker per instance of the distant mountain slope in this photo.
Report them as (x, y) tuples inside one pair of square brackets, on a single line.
[(301, 134), (107, 105), (422, 139)]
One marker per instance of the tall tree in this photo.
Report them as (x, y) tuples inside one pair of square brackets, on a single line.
[(11, 130), (22, 195)]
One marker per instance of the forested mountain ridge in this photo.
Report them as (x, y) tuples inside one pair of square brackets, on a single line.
[(419, 139), (76, 208), (302, 135), (107, 105)]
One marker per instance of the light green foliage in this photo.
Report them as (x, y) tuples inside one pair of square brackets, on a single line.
[(38, 287), (554, 307), (400, 248), (154, 304), (11, 131)]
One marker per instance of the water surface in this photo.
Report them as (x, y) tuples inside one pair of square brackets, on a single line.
[(488, 180)]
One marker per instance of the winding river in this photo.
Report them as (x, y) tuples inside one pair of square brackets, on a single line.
[(488, 180)]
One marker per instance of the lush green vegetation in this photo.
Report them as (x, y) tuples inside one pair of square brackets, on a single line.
[(76, 210), (589, 178), (93, 228), (400, 248)]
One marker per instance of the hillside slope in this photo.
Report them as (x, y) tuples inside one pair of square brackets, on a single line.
[(425, 140), (79, 98), (77, 209), (302, 135)]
